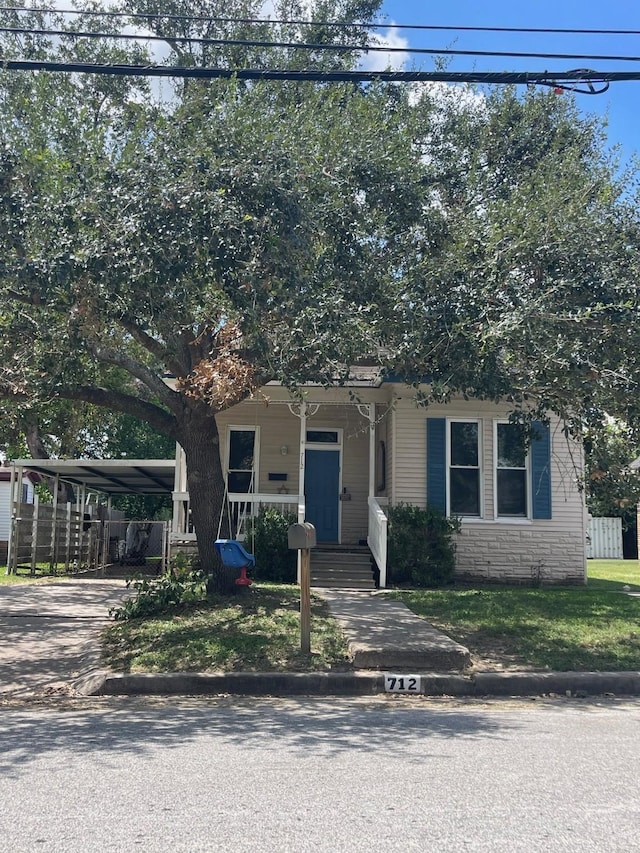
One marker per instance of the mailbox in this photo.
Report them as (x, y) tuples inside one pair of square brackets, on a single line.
[(302, 536)]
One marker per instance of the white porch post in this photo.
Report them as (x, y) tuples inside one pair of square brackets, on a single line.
[(179, 520), (301, 467), (372, 450), (303, 444)]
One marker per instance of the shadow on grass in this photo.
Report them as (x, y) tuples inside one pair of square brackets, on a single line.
[(257, 631)]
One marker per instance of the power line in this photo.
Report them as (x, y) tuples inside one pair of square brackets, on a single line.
[(227, 42), (334, 24), (579, 77)]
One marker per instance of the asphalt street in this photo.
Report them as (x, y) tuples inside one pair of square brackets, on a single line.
[(374, 774)]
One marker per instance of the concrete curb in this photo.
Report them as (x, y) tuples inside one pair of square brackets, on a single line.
[(357, 683)]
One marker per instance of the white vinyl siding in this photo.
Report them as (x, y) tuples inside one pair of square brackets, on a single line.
[(279, 428), (514, 549)]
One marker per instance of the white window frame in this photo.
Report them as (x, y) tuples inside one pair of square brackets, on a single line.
[(480, 468), (527, 485), (325, 445), (256, 452)]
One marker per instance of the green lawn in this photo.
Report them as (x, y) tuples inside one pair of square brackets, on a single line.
[(613, 574), (6, 578), (596, 627), (258, 630)]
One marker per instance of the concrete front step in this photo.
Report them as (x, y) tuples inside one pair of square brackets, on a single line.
[(342, 568), (327, 561), (343, 581)]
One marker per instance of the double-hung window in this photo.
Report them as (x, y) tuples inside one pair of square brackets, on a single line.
[(521, 468), (511, 471), (241, 459), (464, 468)]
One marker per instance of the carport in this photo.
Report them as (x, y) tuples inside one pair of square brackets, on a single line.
[(61, 532)]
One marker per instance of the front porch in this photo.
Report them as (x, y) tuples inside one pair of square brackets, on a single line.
[(322, 462)]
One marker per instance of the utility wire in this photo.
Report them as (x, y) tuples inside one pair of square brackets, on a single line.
[(226, 42), (515, 77), (336, 24)]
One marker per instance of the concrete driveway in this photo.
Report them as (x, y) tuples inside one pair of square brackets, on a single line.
[(49, 632)]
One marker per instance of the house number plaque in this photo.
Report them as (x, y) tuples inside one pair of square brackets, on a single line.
[(402, 683)]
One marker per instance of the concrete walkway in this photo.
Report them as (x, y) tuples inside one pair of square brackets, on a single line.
[(384, 634), (50, 632)]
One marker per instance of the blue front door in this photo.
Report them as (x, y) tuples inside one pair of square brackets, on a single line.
[(321, 489)]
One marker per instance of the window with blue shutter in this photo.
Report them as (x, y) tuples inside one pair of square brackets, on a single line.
[(540, 452), (437, 463)]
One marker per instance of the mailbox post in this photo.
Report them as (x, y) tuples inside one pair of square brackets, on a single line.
[(302, 537)]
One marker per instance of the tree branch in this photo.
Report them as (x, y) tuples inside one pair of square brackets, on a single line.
[(110, 356), (107, 398), (153, 346)]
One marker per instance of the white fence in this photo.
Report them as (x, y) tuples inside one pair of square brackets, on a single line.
[(604, 539)]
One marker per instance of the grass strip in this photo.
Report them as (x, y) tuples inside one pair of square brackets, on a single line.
[(257, 631), (590, 628)]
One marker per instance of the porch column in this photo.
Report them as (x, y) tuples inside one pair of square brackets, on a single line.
[(372, 450), (369, 412), (303, 447), (301, 467)]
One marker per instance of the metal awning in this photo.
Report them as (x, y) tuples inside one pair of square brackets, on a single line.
[(109, 476)]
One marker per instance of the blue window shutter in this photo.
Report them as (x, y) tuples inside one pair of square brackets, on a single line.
[(540, 470), (437, 463)]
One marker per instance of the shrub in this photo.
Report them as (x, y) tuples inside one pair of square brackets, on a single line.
[(268, 537), (421, 549), (180, 584)]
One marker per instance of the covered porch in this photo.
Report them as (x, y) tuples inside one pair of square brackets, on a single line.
[(321, 460)]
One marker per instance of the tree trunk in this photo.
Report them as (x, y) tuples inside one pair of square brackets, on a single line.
[(39, 451), (198, 436)]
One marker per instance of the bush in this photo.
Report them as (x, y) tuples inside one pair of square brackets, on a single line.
[(268, 537), (181, 584), (421, 549)]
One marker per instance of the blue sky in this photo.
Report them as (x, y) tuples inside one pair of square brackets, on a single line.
[(621, 104)]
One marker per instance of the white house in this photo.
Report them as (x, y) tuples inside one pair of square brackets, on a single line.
[(340, 456)]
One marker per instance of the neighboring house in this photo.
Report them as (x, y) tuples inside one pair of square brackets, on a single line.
[(342, 455), (26, 496)]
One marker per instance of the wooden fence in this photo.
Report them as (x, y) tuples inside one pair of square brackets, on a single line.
[(47, 536)]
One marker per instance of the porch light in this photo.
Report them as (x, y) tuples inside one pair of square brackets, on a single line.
[(284, 450)]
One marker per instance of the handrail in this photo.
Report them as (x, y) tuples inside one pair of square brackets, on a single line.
[(377, 538), (247, 504)]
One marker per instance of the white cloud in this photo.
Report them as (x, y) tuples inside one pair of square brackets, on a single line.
[(381, 61)]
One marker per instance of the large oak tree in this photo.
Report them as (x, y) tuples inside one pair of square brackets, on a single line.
[(227, 234)]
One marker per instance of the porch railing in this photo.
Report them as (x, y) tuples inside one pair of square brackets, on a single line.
[(377, 536), (242, 506)]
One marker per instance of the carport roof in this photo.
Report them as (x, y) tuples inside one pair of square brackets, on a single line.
[(110, 476)]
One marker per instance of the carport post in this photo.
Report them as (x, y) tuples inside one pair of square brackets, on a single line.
[(54, 520), (16, 479), (34, 533), (80, 501)]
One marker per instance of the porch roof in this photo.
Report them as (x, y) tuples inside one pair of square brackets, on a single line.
[(109, 476)]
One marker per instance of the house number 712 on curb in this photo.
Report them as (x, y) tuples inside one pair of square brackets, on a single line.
[(402, 683)]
